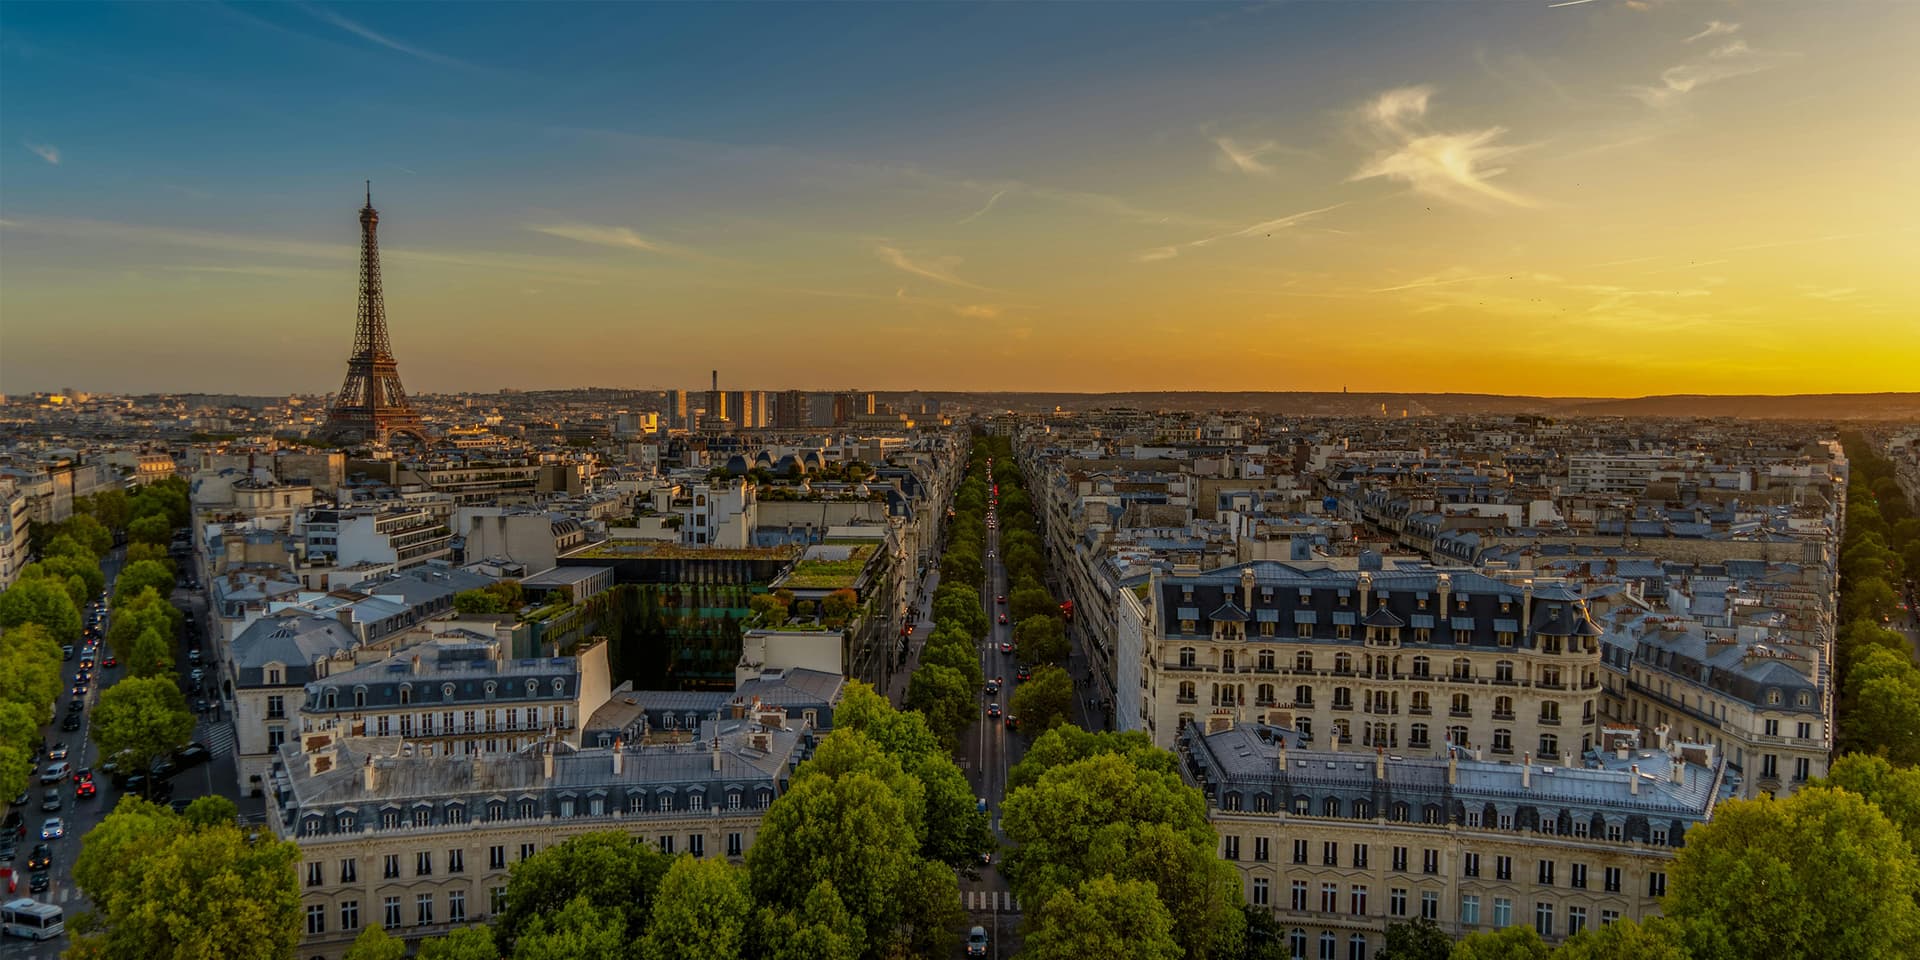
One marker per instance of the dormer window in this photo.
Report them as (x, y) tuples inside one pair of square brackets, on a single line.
[(559, 686), (491, 687), (1773, 696), (359, 696), (406, 693), (1803, 698), (332, 698), (446, 692), (533, 688)]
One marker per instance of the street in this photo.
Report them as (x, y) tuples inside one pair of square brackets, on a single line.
[(81, 816)]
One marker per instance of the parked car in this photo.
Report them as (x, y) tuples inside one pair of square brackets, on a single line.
[(54, 772), (977, 942), (192, 754), (66, 651), (197, 675), (164, 768), (1013, 722)]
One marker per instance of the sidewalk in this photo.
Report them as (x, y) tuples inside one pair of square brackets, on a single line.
[(922, 626)]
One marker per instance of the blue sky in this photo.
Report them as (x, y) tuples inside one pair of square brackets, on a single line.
[(1073, 195)]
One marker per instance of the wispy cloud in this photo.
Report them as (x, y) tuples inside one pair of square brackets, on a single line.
[(46, 151), (940, 270), (1567, 3), (1729, 60), (1452, 166), (618, 237), (977, 214), (1715, 28), (368, 34), (1245, 157), (1261, 229)]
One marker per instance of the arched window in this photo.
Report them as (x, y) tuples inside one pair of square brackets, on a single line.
[(333, 698), (1503, 708), (446, 692), (1303, 662), (1462, 705), (1462, 668), (1773, 695), (533, 688), (1330, 807), (1342, 698), (1342, 663), (1422, 702), (1187, 691), (1189, 657), (1503, 671), (1417, 735), (1550, 712), (491, 687), (1303, 696), (1226, 660), (406, 693), (1363, 809), (559, 686), (1803, 698), (359, 696)]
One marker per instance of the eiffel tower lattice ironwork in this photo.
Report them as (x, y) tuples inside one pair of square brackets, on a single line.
[(372, 405)]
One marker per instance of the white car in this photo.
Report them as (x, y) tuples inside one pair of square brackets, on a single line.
[(55, 772), (53, 829)]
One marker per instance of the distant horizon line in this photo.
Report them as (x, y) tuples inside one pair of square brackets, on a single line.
[(1048, 393)]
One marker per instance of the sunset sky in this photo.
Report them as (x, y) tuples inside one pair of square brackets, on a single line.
[(1602, 198)]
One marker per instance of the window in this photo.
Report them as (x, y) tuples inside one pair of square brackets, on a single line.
[(1656, 883), (457, 906), (1230, 848), (1462, 669), (349, 870), (349, 915), (1397, 902), (1259, 892), (1577, 876), (1328, 945), (1502, 912), (1400, 859), (1299, 851), (1543, 918), (1659, 837), (423, 909), (1360, 855), (1469, 864), (1801, 768), (697, 845), (497, 857), (1357, 900), (1422, 667), (1770, 765), (392, 911), (1189, 657), (392, 866), (456, 861), (273, 679), (316, 874), (1299, 895), (1611, 880), (316, 920), (1502, 740), (1546, 873), (456, 814), (1265, 661), (1461, 705), (1188, 693), (526, 850), (1607, 917), (1503, 868), (276, 707), (1342, 663), (735, 847), (1429, 905), (1297, 944), (1303, 696), (275, 737), (666, 845), (423, 864), (496, 899), (1549, 746), (1469, 910), (1357, 947), (1576, 920), (1330, 853), (1260, 849), (1503, 671), (1329, 897)]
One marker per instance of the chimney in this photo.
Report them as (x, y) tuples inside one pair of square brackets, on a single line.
[(1246, 588), (619, 757), (1366, 592), (1333, 738), (1620, 750), (546, 761), (1379, 763), (1633, 779), (716, 754), (1526, 771), (417, 669), (1526, 610), (1661, 732), (1280, 760), (1446, 593), (1453, 768), (1680, 770), (370, 777)]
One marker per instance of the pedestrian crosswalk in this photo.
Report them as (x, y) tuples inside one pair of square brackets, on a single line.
[(217, 735), (991, 901)]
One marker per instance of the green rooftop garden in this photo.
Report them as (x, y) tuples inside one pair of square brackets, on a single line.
[(662, 550), (813, 574)]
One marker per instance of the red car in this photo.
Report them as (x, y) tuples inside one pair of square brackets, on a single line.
[(1013, 722), (1026, 673), (1007, 647), (1000, 599), (111, 662), (83, 789), (1003, 618)]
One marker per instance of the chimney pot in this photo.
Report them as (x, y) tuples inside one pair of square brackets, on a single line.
[(546, 761), (370, 775), (1526, 771), (1633, 782)]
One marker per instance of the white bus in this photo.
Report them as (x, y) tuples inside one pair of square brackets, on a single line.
[(31, 919)]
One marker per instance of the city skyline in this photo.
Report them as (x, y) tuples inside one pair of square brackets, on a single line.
[(1598, 199)]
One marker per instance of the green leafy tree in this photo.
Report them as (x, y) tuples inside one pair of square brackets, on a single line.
[(1046, 701), (374, 943), (144, 613), (579, 931), (151, 656), (819, 929), (603, 869), (955, 831), (1067, 744), (30, 669), (1895, 790), (1820, 874), (700, 913), (962, 657), (1031, 601), (1042, 640), (849, 831), (64, 568), (111, 507), (136, 577), (839, 606), (18, 732), (945, 697), (1102, 917), (466, 943), (144, 717), (165, 887), (137, 552), (1507, 943), (1657, 939), (44, 602), (89, 533), (1418, 939), (1883, 689), (772, 612), (152, 528), (211, 811), (477, 602)]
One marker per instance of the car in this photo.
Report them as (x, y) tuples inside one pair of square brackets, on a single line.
[(986, 858), (55, 772), (1013, 722), (197, 675), (22, 798), (76, 705), (8, 851), (50, 803), (989, 554), (1024, 673), (40, 858), (86, 662), (71, 723), (79, 690), (993, 710), (993, 686), (1001, 599), (193, 656), (110, 661), (53, 829), (39, 882), (112, 766), (12, 822), (1006, 646), (192, 754), (83, 775), (1003, 618), (84, 676), (164, 768), (66, 651), (84, 789), (977, 942)]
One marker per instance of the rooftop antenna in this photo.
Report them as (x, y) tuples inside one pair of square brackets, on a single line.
[(369, 193)]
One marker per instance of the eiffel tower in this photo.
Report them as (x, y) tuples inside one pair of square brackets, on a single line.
[(372, 406)]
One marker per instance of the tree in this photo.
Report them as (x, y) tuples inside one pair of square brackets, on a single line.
[(165, 887), (144, 717), (850, 831), (1042, 640), (819, 929), (63, 568), (604, 868), (772, 612), (579, 931), (211, 811), (961, 657), (700, 913), (374, 943), (477, 601), (1883, 690), (1507, 943), (839, 606), (1031, 601), (1102, 917), (945, 697), (1067, 744), (152, 528), (1421, 939), (89, 533), (1896, 791), (956, 832), (147, 612), (151, 656), (30, 669), (111, 507), (1046, 701), (136, 577), (466, 943), (137, 552), (18, 731), (1820, 874), (44, 602), (1657, 939)]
